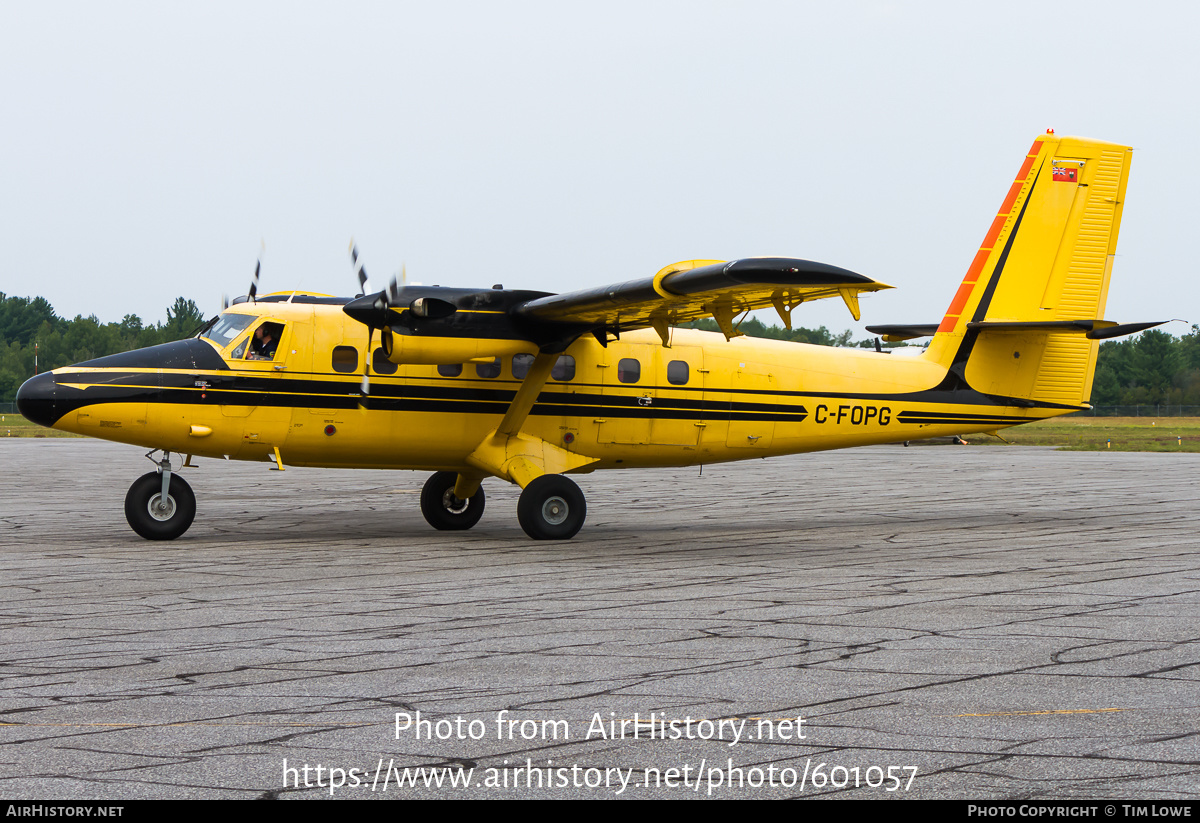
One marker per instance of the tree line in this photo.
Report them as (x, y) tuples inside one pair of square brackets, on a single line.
[(30, 328), (1153, 367), (1149, 368)]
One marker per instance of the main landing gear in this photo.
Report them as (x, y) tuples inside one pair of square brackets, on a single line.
[(160, 505), (443, 509), (550, 508)]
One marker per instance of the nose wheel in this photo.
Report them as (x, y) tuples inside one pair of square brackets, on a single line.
[(551, 508), (154, 516), (443, 509)]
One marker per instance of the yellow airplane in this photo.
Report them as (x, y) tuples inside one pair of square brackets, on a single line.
[(529, 387)]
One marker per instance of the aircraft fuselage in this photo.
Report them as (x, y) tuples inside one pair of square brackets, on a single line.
[(633, 403)]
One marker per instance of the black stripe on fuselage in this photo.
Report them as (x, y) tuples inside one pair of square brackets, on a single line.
[(549, 404), (271, 391), (949, 392), (957, 418)]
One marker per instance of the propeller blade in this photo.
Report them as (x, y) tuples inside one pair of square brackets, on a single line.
[(365, 389), (393, 292), (359, 270), (224, 301), (254, 279)]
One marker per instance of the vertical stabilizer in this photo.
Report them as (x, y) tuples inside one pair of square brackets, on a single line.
[(1046, 258)]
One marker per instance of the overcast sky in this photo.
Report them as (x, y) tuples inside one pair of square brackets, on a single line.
[(148, 149)]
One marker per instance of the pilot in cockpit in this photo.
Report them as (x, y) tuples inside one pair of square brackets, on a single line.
[(264, 342)]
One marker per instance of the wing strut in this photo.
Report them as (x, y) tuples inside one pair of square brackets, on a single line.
[(513, 455), (531, 387)]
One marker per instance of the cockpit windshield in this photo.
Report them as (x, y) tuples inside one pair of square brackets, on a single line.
[(227, 327)]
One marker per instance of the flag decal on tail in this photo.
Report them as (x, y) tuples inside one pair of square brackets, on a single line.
[(1065, 174)]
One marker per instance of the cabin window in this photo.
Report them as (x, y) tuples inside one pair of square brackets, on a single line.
[(521, 364), (629, 370), (564, 368), (488, 369), (677, 372), (345, 359), (380, 363), (450, 370)]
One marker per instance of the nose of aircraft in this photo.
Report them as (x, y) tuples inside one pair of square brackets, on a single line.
[(35, 400)]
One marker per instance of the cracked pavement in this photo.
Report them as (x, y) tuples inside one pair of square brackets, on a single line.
[(1016, 623)]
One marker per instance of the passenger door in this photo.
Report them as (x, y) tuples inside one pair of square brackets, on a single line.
[(678, 405)]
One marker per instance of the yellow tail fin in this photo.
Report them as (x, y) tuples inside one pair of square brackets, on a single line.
[(1046, 259)]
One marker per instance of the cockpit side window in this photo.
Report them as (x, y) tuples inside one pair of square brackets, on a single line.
[(227, 327), (265, 341)]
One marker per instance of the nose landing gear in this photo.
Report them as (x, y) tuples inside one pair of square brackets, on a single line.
[(160, 505)]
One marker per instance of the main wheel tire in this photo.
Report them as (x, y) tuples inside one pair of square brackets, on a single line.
[(551, 508), (153, 522), (443, 510)]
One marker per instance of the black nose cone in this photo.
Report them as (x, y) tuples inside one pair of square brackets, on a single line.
[(35, 400), (370, 310)]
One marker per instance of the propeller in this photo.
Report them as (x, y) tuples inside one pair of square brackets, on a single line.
[(386, 299), (226, 302), (381, 304), (374, 311), (360, 271)]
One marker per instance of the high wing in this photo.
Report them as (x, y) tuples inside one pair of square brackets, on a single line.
[(701, 288)]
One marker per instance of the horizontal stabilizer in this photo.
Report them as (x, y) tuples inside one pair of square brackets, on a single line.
[(896, 333), (1091, 329), (1121, 330)]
